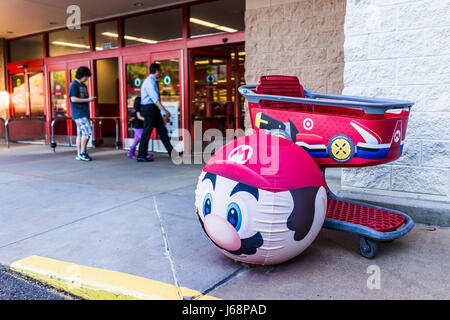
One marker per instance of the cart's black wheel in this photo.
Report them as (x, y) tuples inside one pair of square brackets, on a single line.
[(367, 247)]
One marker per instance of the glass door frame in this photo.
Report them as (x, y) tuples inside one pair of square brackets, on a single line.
[(168, 55), (149, 58), (125, 60), (25, 70), (66, 67), (230, 122)]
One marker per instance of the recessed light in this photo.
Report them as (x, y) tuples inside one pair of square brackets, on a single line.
[(138, 4)]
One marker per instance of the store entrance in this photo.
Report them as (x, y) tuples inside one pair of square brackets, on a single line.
[(106, 110), (170, 88), (216, 74)]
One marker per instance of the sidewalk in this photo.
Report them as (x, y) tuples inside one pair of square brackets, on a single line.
[(139, 219)]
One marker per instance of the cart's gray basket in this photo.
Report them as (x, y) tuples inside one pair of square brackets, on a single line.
[(369, 105)]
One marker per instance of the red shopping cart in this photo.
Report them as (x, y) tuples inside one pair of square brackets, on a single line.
[(337, 131)]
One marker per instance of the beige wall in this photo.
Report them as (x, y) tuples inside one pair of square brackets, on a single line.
[(304, 38)]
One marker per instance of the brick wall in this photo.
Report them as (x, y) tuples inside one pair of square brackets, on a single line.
[(401, 49), (291, 37)]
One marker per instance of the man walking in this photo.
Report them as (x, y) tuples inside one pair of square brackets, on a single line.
[(150, 110), (79, 105)]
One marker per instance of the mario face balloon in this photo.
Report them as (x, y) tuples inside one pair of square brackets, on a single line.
[(261, 199)]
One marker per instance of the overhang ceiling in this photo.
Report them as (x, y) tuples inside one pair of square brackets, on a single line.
[(23, 17)]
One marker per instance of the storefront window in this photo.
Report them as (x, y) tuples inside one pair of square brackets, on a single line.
[(169, 86), (25, 49), (68, 41), (153, 27), (106, 36), (19, 95), (36, 87), (136, 74), (217, 16), (58, 93)]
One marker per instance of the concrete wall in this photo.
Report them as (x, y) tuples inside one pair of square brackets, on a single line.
[(401, 49), (292, 37)]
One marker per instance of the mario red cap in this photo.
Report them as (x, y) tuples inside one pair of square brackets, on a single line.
[(266, 162)]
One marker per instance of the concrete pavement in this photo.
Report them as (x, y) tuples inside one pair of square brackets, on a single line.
[(138, 218)]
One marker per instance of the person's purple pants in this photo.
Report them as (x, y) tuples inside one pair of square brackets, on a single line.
[(137, 138)]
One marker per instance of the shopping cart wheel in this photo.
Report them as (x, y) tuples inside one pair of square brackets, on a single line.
[(367, 247)]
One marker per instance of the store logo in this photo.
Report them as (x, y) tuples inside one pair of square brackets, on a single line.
[(137, 82), (167, 80), (241, 154), (74, 20), (308, 124), (210, 78)]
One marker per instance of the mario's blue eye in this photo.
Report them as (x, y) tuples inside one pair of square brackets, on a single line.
[(234, 215), (207, 204)]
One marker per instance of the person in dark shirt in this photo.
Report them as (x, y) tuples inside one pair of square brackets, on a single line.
[(79, 106), (138, 127)]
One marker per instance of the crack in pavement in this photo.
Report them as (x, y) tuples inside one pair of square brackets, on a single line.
[(221, 282), (167, 251)]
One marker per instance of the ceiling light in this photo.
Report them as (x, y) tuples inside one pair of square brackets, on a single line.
[(69, 44), (110, 34), (212, 25), (146, 40), (242, 53), (202, 62), (226, 29), (203, 23), (138, 4), (115, 35)]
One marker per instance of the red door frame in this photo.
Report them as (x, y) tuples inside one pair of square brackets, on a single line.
[(149, 58), (66, 67), (219, 54), (123, 75), (174, 54), (23, 67)]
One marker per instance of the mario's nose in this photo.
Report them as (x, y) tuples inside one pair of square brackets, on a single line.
[(222, 232)]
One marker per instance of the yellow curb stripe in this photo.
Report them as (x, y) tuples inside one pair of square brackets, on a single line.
[(99, 284)]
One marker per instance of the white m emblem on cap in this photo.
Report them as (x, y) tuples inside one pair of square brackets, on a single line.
[(241, 154)]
